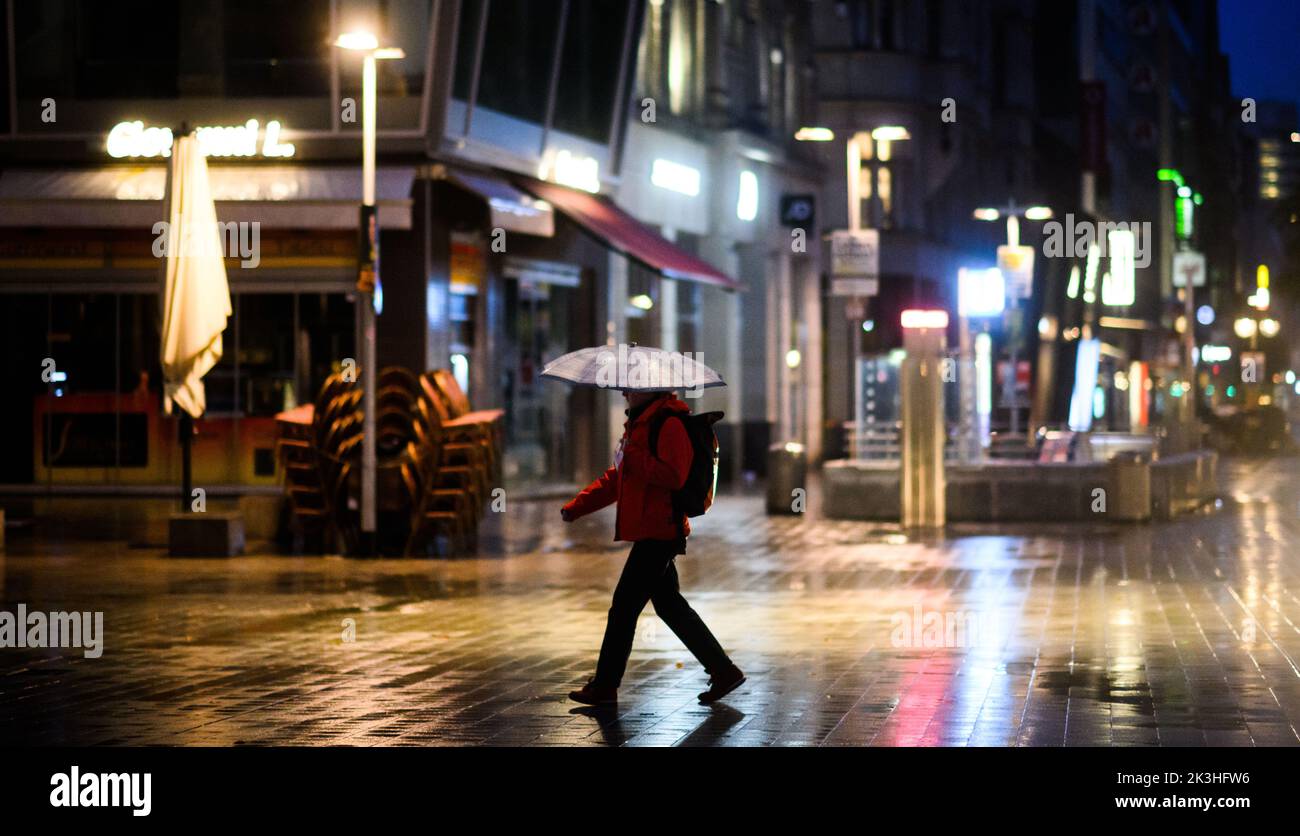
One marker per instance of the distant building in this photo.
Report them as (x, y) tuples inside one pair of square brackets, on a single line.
[(937, 100), (719, 93)]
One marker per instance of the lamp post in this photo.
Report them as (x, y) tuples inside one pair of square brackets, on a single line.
[(368, 283), (1013, 213)]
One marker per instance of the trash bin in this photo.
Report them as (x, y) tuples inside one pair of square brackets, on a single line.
[(1130, 479), (787, 467)]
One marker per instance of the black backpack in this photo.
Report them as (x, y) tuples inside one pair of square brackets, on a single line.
[(695, 495)]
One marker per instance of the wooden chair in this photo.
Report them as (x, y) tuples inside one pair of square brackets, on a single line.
[(471, 428), (436, 511)]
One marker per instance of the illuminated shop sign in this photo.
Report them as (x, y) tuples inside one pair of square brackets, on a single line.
[(135, 139), (680, 178), (569, 169)]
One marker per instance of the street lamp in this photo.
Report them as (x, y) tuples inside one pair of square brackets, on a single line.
[(368, 282), (812, 133), (1018, 287), (1013, 213)]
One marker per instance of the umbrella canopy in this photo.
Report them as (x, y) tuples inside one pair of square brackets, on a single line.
[(196, 295), (632, 367)]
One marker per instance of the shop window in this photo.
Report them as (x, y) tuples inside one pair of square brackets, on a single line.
[(92, 409), (221, 386), (642, 297), (24, 338), (326, 335), (138, 344), (538, 329), (266, 353), (82, 334), (279, 349), (97, 439)]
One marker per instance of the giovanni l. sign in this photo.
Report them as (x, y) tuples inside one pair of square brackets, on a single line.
[(135, 139)]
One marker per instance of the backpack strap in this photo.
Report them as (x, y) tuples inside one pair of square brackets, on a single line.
[(656, 425)]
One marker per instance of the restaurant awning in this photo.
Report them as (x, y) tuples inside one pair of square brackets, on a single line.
[(512, 209), (278, 197), (617, 229)]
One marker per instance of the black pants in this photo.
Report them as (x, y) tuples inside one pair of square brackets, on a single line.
[(651, 575)]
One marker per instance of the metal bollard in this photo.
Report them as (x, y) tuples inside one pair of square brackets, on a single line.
[(787, 470)]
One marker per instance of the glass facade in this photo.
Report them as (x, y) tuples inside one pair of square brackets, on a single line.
[(88, 388), (522, 54), (276, 50)]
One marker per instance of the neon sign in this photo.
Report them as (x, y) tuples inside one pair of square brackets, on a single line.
[(134, 139)]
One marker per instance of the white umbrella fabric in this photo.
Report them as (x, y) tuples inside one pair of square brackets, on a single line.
[(196, 294), (632, 367)]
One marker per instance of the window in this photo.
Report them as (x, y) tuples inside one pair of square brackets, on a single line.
[(522, 51), (934, 28), (278, 350), (643, 299), (94, 418), (878, 186), (471, 14), (90, 50), (143, 49), (518, 46), (593, 42), (873, 24), (652, 61), (286, 52)]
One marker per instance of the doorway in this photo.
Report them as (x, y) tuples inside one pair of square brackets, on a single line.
[(539, 443)]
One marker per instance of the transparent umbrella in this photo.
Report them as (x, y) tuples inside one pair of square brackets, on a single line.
[(632, 367)]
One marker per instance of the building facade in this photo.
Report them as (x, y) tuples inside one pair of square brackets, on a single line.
[(524, 206)]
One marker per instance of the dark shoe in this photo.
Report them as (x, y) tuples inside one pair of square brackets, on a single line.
[(593, 694), (721, 684)]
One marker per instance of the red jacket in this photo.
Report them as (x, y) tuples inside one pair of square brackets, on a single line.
[(642, 483)]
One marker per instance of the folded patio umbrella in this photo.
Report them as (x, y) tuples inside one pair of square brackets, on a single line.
[(632, 367), (196, 295)]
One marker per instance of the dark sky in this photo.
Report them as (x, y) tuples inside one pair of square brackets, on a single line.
[(1262, 40)]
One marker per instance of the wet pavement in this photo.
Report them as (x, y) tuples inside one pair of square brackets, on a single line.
[(1175, 634)]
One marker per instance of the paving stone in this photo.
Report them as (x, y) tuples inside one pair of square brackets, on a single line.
[(1184, 633)]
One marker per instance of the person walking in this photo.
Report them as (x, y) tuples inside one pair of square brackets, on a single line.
[(642, 480)]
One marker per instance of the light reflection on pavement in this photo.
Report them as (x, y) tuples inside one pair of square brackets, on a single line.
[(1183, 634)]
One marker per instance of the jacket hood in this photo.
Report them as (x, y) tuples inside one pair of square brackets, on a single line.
[(671, 403)]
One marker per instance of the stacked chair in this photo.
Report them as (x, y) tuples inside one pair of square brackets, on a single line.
[(437, 463), (308, 513), (482, 427), (316, 447), (448, 475)]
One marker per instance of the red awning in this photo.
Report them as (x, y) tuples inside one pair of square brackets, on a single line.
[(624, 233)]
